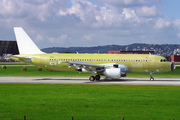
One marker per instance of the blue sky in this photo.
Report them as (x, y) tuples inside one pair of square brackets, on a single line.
[(72, 23), (170, 8)]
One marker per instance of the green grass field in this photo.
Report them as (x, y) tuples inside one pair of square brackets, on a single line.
[(32, 71), (89, 102)]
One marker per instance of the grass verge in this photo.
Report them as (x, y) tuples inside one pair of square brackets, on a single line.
[(90, 102), (32, 71)]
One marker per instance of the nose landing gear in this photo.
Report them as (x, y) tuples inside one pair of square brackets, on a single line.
[(151, 76), (151, 79)]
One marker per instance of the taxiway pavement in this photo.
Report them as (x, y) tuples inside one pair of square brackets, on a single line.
[(85, 80)]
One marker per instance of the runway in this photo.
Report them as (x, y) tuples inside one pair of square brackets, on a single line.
[(84, 80)]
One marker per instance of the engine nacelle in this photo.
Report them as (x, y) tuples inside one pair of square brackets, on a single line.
[(112, 73)]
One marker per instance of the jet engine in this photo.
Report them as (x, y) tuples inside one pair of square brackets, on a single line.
[(112, 72)]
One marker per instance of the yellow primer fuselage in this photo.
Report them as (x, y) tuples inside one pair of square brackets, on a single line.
[(134, 62)]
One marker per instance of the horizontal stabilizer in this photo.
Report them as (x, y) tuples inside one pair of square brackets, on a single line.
[(21, 58)]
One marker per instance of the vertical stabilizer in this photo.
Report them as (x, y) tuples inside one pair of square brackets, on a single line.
[(25, 44)]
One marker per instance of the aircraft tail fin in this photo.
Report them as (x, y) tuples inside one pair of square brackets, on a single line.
[(24, 42)]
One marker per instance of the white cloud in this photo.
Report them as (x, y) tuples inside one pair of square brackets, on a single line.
[(161, 23), (39, 38), (80, 8), (89, 13), (146, 11), (129, 13), (41, 9), (126, 3), (62, 39), (87, 37), (178, 34), (9, 9), (52, 39), (86, 23), (177, 23)]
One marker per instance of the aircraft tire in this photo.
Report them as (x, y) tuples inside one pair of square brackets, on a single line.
[(92, 78), (97, 77), (151, 79)]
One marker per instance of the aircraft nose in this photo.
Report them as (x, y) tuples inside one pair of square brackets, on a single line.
[(173, 67)]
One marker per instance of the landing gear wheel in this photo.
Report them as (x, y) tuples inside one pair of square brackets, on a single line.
[(151, 79), (92, 78), (151, 76), (97, 77)]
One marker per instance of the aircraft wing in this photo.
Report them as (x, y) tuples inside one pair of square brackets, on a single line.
[(86, 66), (94, 67)]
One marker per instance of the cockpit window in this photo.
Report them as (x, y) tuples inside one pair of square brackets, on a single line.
[(163, 60)]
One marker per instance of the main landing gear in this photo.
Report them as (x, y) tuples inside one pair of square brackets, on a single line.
[(151, 76), (92, 78)]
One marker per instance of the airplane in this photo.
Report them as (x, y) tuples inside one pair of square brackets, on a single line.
[(112, 66)]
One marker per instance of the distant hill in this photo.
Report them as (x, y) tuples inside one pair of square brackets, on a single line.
[(159, 49)]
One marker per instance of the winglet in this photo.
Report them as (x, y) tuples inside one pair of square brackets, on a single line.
[(25, 44)]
